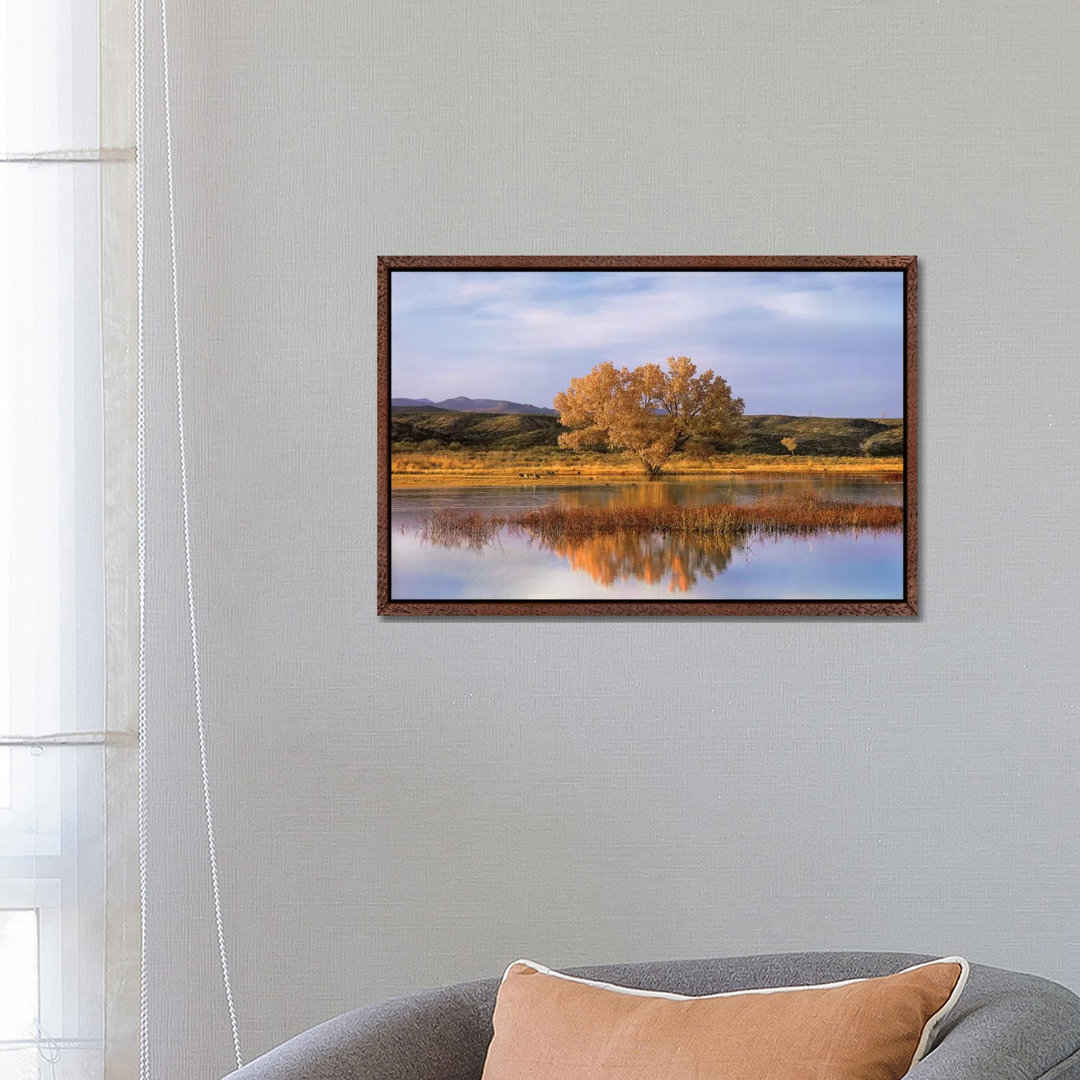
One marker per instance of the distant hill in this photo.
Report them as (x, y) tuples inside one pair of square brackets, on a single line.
[(439, 427), (410, 427), (473, 405)]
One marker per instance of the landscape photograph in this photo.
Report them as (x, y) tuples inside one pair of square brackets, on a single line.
[(696, 438)]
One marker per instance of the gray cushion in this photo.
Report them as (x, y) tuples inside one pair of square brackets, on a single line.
[(1006, 1026)]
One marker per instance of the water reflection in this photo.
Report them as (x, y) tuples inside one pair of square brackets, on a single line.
[(620, 557), (515, 563), (734, 489)]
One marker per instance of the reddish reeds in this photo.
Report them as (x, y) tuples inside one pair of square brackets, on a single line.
[(459, 528), (554, 522)]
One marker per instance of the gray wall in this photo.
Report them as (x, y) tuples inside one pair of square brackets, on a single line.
[(406, 803)]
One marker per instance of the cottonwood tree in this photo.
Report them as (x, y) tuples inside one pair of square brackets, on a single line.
[(651, 412), (789, 445)]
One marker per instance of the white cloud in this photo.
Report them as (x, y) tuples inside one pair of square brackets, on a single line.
[(525, 311)]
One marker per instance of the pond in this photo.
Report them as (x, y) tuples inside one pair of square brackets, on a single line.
[(635, 566)]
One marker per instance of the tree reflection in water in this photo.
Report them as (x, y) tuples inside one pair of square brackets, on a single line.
[(622, 556), (649, 537)]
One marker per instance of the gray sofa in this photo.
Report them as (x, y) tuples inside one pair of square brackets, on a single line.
[(1005, 1026)]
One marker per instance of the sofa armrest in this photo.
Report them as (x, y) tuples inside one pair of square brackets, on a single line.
[(441, 1034), (1007, 1026)]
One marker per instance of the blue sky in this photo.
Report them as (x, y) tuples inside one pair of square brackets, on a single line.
[(828, 343)]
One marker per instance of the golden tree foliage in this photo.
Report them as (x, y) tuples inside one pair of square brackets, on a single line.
[(648, 411), (789, 444)]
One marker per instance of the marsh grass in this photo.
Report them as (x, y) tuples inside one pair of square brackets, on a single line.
[(458, 528), (548, 466), (555, 523)]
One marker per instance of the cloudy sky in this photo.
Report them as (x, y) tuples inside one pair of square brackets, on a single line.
[(828, 343)]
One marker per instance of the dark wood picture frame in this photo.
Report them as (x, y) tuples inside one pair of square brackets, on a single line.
[(908, 605)]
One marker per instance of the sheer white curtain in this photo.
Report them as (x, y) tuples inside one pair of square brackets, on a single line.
[(60, 245)]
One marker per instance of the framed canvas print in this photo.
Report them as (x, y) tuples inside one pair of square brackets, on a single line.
[(610, 435)]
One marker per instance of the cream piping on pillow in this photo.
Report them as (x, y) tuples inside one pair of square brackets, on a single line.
[(928, 1030), (932, 1024)]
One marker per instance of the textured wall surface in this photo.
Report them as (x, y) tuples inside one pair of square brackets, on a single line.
[(408, 803)]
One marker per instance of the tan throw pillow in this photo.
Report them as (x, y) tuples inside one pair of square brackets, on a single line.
[(550, 1026)]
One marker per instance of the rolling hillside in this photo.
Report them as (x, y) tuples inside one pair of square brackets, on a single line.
[(820, 436), (417, 427), (413, 428)]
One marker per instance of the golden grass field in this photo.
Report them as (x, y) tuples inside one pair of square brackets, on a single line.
[(502, 467)]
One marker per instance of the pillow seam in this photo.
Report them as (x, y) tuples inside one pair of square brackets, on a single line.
[(633, 991), (933, 1024)]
